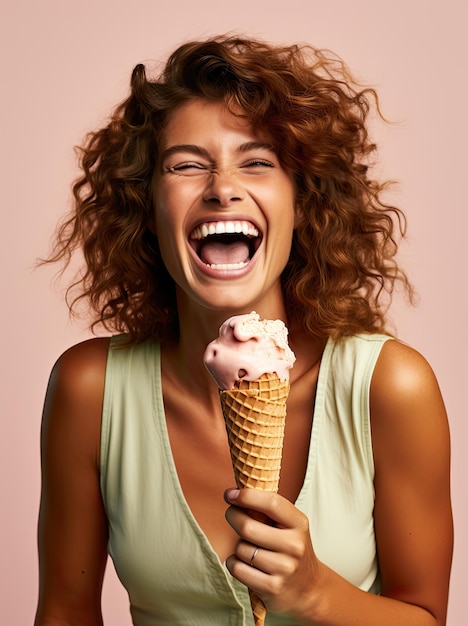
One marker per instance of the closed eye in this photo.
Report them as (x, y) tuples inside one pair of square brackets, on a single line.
[(258, 163), (187, 167), (194, 168)]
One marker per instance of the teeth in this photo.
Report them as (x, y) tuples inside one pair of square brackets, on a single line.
[(223, 228), (228, 266)]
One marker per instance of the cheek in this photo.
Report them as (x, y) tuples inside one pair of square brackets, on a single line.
[(169, 231), (163, 215), (169, 250), (287, 192)]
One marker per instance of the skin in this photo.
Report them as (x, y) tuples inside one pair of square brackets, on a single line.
[(213, 167), (221, 178)]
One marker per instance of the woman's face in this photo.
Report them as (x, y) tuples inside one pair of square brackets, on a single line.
[(224, 210)]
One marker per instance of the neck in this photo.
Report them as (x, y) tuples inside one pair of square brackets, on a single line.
[(198, 326)]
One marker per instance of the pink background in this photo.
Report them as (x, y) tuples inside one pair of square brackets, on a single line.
[(64, 65)]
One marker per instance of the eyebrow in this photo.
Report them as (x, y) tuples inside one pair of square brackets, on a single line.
[(198, 150), (256, 145)]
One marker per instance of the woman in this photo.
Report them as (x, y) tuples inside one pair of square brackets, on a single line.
[(238, 181)]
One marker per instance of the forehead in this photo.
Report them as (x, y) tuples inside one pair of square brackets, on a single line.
[(201, 120)]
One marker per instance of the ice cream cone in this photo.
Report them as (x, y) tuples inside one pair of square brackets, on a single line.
[(255, 416), (250, 362)]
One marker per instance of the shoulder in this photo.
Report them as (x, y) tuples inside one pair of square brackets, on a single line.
[(82, 364), (407, 410), (402, 374), (73, 404)]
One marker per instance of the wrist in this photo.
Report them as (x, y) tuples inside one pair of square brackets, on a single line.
[(315, 604)]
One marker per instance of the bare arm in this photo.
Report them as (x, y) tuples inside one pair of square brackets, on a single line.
[(412, 456), (72, 530), (413, 521)]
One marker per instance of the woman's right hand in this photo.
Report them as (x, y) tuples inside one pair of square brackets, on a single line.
[(277, 559)]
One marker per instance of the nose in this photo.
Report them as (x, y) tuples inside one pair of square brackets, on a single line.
[(223, 188)]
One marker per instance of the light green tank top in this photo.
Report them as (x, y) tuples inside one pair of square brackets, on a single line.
[(163, 558)]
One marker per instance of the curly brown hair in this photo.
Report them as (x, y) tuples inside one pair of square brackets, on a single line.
[(342, 261)]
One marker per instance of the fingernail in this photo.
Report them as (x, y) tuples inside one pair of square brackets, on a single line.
[(230, 495)]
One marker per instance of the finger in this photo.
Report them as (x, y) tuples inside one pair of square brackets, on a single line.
[(229, 497), (274, 506), (252, 530), (279, 541), (264, 560), (253, 577), (247, 552), (251, 555)]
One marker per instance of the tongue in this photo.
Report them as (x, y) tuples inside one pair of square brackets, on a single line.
[(217, 253)]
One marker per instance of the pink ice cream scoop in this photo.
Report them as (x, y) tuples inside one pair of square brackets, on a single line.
[(248, 347)]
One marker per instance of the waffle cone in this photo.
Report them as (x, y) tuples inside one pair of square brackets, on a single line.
[(255, 416)]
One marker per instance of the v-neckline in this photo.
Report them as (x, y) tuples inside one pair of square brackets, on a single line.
[(317, 416)]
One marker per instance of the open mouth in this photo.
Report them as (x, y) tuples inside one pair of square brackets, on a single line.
[(225, 245)]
